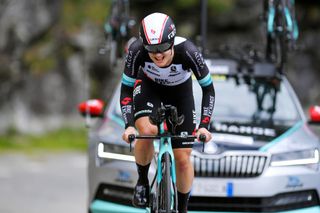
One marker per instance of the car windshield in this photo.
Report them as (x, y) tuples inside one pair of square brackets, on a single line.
[(250, 101), (237, 100)]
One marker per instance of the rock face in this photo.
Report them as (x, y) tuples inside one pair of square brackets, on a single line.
[(33, 101), (37, 101)]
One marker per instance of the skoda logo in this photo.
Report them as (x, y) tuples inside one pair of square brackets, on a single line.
[(211, 148)]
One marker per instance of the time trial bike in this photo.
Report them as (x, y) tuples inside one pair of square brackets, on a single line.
[(282, 30), (163, 197)]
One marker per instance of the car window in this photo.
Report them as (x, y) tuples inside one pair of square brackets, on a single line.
[(238, 100)]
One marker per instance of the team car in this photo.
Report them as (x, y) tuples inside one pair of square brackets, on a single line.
[(263, 157)]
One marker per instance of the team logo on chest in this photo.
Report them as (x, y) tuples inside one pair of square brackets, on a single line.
[(173, 68)]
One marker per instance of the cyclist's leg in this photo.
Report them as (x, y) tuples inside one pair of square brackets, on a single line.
[(144, 104), (185, 173), (143, 149), (182, 149)]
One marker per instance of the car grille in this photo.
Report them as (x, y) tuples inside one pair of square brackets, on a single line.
[(229, 164), (114, 193), (280, 202)]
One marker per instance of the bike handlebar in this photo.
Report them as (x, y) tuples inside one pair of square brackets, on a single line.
[(132, 137)]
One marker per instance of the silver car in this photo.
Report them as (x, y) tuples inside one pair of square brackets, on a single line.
[(263, 156)]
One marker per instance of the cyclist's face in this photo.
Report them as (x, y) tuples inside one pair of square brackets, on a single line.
[(162, 59)]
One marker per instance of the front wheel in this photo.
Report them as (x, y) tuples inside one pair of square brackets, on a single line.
[(164, 188)]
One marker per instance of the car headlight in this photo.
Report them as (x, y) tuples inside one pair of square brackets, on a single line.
[(303, 157), (114, 152)]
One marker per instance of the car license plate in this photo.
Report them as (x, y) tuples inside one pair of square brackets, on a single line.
[(203, 187)]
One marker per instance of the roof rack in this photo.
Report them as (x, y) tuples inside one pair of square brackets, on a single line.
[(241, 62)]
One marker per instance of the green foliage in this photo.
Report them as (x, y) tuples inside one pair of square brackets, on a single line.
[(60, 140), (220, 6), (76, 12), (186, 4), (40, 57)]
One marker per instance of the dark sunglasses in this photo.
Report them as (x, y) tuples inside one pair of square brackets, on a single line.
[(158, 48)]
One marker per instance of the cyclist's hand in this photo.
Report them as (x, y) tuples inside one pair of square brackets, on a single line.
[(204, 131), (129, 131)]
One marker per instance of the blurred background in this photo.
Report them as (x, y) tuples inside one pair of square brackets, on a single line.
[(50, 61)]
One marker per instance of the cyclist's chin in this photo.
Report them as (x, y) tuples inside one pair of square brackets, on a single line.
[(163, 62)]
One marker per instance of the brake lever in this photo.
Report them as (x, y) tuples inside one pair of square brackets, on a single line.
[(131, 138), (202, 138)]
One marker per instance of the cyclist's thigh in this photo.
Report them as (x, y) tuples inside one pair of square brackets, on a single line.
[(185, 107), (145, 98)]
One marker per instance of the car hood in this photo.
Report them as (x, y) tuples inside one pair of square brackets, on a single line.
[(248, 136)]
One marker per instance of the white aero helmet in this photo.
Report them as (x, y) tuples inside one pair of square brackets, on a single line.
[(157, 32)]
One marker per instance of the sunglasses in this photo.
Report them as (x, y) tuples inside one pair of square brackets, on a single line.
[(158, 48)]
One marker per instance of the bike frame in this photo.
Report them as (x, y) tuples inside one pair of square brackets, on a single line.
[(291, 25), (165, 147)]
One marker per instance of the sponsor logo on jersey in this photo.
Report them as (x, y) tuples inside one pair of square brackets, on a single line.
[(199, 59), (129, 59), (173, 68), (194, 116), (138, 81), (137, 90), (205, 120), (125, 101)]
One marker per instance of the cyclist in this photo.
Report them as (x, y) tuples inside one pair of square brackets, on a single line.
[(158, 69)]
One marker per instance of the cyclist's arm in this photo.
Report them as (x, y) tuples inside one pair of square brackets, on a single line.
[(129, 75), (201, 71)]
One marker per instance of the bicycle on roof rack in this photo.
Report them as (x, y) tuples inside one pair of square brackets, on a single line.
[(282, 30), (117, 31), (164, 197)]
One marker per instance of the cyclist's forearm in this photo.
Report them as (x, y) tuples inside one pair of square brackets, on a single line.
[(126, 103), (208, 100)]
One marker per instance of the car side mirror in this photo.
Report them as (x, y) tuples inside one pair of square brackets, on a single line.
[(314, 114), (91, 109)]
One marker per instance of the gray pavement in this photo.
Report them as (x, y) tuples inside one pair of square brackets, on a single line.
[(43, 182)]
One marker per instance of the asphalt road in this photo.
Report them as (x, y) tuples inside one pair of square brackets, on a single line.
[(45, 182)]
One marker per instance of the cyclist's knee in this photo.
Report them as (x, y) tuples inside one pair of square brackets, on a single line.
[(182, 157), (145, 127)]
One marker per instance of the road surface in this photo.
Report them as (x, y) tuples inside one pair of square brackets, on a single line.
[(43, 182)]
